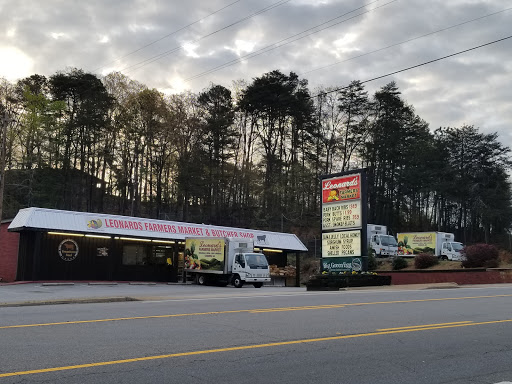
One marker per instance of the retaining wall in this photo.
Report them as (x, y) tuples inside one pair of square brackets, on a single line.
[(459, 276)]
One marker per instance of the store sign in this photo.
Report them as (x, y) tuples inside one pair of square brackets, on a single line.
[(342, 264), (341, 188), (204, 254), (68, 250), (343, 197), (341, 215), (112, 225), (341, 244)]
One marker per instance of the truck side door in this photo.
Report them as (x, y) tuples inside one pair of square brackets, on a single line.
[(446, 250), (239, 263)]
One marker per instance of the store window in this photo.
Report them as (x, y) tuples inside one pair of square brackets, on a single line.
[(162, 255), (134, 254), (143, 254)]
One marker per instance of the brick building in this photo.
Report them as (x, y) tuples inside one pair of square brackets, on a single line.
[(9, 242), (49, 244)]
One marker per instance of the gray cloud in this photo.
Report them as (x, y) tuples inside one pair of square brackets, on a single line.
[(472, 88)]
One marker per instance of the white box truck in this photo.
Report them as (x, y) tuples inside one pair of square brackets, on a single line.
[(379, 240), (441, 244), (224, 261)]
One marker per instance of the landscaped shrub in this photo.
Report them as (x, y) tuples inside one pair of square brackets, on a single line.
[(481, 255), (308, 268), (372, 262), (505, 257), (399, 263), (425, 260)]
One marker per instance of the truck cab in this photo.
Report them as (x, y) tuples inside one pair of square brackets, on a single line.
[(379, 240), (451, 250), (384, 245), (250, 268)]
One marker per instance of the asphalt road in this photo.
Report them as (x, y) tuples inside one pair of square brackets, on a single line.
[(456, 336)]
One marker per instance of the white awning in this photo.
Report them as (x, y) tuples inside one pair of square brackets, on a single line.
[(43, 219)]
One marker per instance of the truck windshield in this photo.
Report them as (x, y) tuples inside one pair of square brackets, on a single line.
[(389, 240), (457, 247), (256, 260)]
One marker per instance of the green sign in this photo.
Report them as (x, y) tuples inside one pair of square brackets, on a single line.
[(342, 264)]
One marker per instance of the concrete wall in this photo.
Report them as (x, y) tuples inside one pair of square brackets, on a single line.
[(461, 277), (9, 242)]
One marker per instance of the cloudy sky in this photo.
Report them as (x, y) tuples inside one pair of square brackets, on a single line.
[(187, 45)]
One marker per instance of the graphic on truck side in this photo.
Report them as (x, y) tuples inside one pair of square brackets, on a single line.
[(204, 254), (416, 243)]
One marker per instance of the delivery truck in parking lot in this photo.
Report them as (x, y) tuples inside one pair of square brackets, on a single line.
[(441, 244), (225, 260), (383, 245)]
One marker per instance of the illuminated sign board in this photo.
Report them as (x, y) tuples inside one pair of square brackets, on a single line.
[(339, 189), (341, 244), (343, 224), (341, 202), (341, 215)]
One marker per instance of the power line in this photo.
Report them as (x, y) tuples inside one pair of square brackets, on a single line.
[(166, 53), (273, 46), (415, 66), (166, 36), (405, 41)]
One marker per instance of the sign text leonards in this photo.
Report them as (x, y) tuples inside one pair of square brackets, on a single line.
[(341, 188)]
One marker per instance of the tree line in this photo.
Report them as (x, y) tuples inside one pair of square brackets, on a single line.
[(249, 156)]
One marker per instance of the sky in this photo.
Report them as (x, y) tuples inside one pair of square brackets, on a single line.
[(175, 46)]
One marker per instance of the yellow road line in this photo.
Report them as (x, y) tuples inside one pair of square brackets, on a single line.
[(240, 348), (258, 310), (328, 306), (423, 326)]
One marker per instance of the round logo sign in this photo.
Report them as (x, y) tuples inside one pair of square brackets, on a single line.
[(68, 250), (357, 265)]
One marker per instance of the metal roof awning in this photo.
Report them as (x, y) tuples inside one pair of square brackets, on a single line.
[(44, 219)]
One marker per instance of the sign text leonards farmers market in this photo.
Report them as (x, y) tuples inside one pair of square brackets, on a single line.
[(341, 188), (145, 226)]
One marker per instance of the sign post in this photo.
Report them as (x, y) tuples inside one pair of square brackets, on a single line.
[(344, 216)]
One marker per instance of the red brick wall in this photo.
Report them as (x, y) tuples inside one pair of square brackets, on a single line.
[(460, 277), (8, 253)]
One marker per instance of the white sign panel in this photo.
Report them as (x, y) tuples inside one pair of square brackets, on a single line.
[(341, 215), (341, 244)]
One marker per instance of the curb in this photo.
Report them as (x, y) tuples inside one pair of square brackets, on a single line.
[(70, 301), (443, 286)]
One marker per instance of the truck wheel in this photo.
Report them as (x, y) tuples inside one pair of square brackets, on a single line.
[(237, 282), (257, 285), (444, 257), (201, 280)]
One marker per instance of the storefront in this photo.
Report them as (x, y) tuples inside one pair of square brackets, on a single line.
[(66, 245)]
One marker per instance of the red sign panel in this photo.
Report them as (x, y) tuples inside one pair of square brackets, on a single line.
[(341, 188)]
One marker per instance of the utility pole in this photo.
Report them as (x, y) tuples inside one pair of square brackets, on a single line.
[(4, 122)]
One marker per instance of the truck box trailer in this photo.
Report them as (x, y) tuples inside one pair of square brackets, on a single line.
[(224, 261), (441, 244)]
